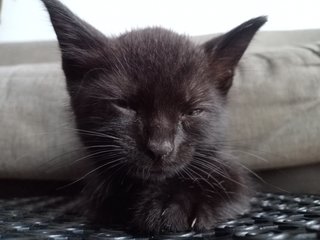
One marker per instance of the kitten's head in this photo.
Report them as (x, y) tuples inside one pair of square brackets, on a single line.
[(148, 99)]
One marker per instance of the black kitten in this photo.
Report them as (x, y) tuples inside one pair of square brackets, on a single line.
[(149, 106)]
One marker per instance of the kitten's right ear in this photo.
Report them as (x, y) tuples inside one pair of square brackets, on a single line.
[(81, 44), (225, 51)]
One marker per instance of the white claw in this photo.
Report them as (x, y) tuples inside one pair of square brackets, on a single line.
[(193, 222), (164, 211)]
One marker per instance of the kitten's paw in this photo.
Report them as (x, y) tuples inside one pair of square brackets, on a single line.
[(208, 216), (159, 218), (174, 218)]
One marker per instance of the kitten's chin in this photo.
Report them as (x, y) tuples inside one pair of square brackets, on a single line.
[(156, 174)]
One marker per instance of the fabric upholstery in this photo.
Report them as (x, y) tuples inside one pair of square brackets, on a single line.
[(36, 136), (275, 107)]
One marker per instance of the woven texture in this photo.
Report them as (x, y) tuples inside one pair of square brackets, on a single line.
[(273, 216)]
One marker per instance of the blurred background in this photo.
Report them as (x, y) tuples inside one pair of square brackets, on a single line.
[(274, 102), (26, 20)]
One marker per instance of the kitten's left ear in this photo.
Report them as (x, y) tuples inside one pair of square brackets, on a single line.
[(81, 45), (224, 52)]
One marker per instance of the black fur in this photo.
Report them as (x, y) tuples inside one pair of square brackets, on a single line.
[(150, 109)]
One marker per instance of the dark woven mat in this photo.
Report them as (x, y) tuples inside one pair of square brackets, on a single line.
[(273, 216)]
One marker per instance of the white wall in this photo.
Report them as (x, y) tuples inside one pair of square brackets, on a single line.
[(26, 20)]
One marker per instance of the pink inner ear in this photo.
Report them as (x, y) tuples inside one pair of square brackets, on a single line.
[(225, 51)]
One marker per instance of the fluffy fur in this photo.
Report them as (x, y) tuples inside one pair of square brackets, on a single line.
[(149, 107)]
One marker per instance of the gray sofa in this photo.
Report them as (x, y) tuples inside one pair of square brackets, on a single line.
[(274, 112)]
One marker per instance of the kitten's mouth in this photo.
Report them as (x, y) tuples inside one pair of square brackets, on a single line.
[(157, 173), (151, 172)]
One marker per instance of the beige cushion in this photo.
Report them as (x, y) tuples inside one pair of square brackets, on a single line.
[(29, 52), (273, 105), (36, 136)]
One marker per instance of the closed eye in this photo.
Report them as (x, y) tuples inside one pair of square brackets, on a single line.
[(123, 104), (193, 112)]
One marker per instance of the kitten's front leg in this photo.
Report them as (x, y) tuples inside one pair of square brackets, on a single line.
[(184, 206), (161, 210)]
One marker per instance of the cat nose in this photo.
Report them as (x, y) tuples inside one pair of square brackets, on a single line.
[(160, 149)]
